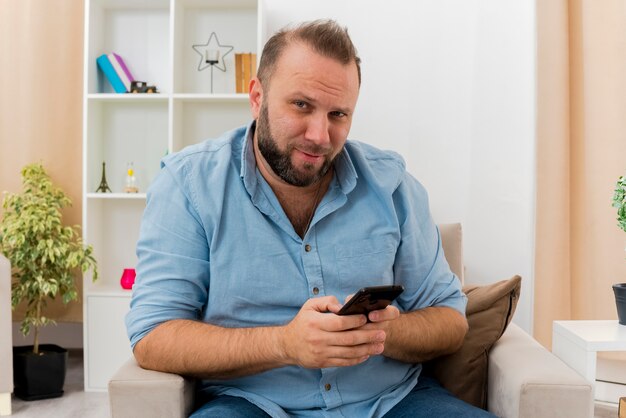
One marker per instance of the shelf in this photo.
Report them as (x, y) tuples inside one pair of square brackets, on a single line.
[(219, 4), (107, 290), (138, 31), (137, 196), (195, 120), (134, 4), (235, 23), (199, 97), (123, 131), (112, 228), (128, 97), (158, 97)]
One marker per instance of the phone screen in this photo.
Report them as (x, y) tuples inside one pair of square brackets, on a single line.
[(370, 299)]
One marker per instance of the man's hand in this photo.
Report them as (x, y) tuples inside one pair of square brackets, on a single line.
[(417, 336), (317, 338), (380, 319)]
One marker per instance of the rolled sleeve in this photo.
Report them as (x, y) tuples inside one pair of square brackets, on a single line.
[(173, 259), (421, 266)]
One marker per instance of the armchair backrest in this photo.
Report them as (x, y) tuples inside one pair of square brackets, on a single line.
[(452, 241)]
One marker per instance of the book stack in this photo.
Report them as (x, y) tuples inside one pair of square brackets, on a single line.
[(245, 70), (116, 72)]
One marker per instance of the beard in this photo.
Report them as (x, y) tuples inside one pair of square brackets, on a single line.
[(280, 161)]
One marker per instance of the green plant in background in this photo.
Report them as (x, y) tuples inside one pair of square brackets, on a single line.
[(44, 254), (619, 202)]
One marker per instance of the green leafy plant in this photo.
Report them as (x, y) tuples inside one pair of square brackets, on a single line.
[(619, 202), (44, 254)]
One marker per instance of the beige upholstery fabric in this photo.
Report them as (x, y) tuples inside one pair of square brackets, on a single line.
[(6, 343), (452, 242), (526, 380), (136, 392)]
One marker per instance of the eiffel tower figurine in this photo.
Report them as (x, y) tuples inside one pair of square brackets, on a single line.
[(104, 187)]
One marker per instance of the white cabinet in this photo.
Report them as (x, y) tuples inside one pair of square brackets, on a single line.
[(107, 342), (155, 39)]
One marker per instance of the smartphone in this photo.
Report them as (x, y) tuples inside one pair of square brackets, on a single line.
[(370, 299)]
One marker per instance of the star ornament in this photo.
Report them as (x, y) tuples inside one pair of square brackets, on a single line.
[(213, 44)]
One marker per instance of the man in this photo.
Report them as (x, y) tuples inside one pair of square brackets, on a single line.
[(249, 243)]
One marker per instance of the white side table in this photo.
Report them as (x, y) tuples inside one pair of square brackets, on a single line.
[(578, 342)]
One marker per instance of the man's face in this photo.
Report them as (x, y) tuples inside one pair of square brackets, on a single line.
[(304, 117)]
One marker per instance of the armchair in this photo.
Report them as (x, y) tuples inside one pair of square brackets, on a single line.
[(524, 379)]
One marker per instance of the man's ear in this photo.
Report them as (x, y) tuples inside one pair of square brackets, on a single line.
[(256, 97)]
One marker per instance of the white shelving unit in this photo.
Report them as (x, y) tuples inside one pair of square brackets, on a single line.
[(155, 38)]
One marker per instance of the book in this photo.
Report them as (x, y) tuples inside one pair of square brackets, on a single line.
[(238, 74), (252, 66), (107, 68), (121, 69), (245, 70)]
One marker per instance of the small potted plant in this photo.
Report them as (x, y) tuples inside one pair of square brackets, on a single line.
[(44, 256), (619, 202)]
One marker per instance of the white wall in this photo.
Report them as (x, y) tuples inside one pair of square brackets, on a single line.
[(450, 84)]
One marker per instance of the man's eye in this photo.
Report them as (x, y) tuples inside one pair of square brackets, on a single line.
[(300, 104), (338, 114)]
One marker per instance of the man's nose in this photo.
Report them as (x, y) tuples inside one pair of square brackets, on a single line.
[(317, 129)]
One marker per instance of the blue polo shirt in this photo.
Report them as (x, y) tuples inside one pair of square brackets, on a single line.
[(216, 246)]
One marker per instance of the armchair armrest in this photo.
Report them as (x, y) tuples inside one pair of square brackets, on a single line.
[(526, 380), (136, 392)]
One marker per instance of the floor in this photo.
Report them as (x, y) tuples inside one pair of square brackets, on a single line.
[(77, 404)]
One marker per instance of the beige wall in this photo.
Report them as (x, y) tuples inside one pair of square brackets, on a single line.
[(552, 243), (41, 45), (598, 154), (581, 103)]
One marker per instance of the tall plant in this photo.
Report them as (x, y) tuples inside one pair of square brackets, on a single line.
[(44, 254), (619, 202)]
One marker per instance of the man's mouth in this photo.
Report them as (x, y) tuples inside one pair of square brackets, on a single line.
[(310, 157)]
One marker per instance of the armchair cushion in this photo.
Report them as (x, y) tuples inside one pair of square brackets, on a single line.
[(489, 311)]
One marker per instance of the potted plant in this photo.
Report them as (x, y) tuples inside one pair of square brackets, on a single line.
[(619, 202), (44, 256)]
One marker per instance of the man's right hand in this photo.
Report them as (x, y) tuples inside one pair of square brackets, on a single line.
[(317, 338)]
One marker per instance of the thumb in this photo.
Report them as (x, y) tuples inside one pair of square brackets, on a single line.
[(322, 304)]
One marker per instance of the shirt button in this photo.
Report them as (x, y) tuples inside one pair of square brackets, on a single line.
[(315, 290), (307, 248), (327, 387)]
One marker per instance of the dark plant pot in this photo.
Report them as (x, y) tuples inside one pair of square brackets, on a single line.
[(39, 376), (620, 301)]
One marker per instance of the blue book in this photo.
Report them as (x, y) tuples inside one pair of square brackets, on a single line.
[(111, 75)]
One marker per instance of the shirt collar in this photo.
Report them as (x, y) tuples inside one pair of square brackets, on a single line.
[(248, 162), (345, 172)]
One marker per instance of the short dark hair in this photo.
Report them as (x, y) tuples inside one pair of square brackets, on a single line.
[(325, 37)]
